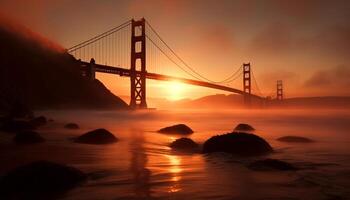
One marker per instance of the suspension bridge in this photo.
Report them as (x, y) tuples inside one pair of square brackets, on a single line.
[(122, 51)]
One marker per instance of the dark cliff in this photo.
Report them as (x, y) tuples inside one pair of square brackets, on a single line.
[(40, 74)]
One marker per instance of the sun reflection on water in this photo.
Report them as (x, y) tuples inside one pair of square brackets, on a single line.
[(175, 170)]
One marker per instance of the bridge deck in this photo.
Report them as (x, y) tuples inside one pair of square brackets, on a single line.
[(126, 72)]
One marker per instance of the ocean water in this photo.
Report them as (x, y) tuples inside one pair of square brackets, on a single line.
[(142, 166)]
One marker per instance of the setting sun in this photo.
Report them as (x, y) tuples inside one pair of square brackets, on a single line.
[(176, 90)]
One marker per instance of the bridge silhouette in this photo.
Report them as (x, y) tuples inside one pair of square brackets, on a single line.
[(115, 52)]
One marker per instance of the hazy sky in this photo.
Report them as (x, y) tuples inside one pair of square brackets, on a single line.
[(305, 43)]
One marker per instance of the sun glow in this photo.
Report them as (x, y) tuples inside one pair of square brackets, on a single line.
[(176, 90)]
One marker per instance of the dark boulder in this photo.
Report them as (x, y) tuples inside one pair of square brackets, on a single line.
[(271, 164), (38, 121), (181, 129), (295, 139), (98, 136), (71, 126), (39, 180), (183, 143), (28, 137), (12, 125), (237, 143), (244, 127)]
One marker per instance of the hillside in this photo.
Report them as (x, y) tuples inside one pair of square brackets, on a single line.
[(338, 102), (40, 74), (221, 101), (233, 101), (218, 100)]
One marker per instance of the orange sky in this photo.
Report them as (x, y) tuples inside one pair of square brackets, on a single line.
[(304, 43)]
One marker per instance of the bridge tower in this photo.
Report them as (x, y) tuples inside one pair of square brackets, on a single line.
[(138, 65), (90, 73), (279, 90), (246, 84)]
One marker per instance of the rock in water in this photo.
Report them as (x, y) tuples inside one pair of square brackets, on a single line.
[(28, 137), (38, 121), (39, 180), (295, 139), (71, 126), (98, 136), (271, 164), (181, 129), (183, 143), (236, 143), (244, 127)]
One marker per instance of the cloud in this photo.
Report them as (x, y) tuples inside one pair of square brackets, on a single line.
[(335, 80), (27, 36), (216, 38), (300, 10), (274, 39), (278, 75), (209, 46), (269, 79), (163, 9), (332, 40), (281, 40), (318, 79), (33, 11)]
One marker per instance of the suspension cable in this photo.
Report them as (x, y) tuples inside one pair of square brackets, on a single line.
[(233, 76), (161, 50), (178, 57), (98, 37), (256, 83)]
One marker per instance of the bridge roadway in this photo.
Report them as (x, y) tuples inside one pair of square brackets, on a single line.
[(154, 76)]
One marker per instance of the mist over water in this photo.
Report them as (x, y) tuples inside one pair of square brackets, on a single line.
[(142, 166)]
